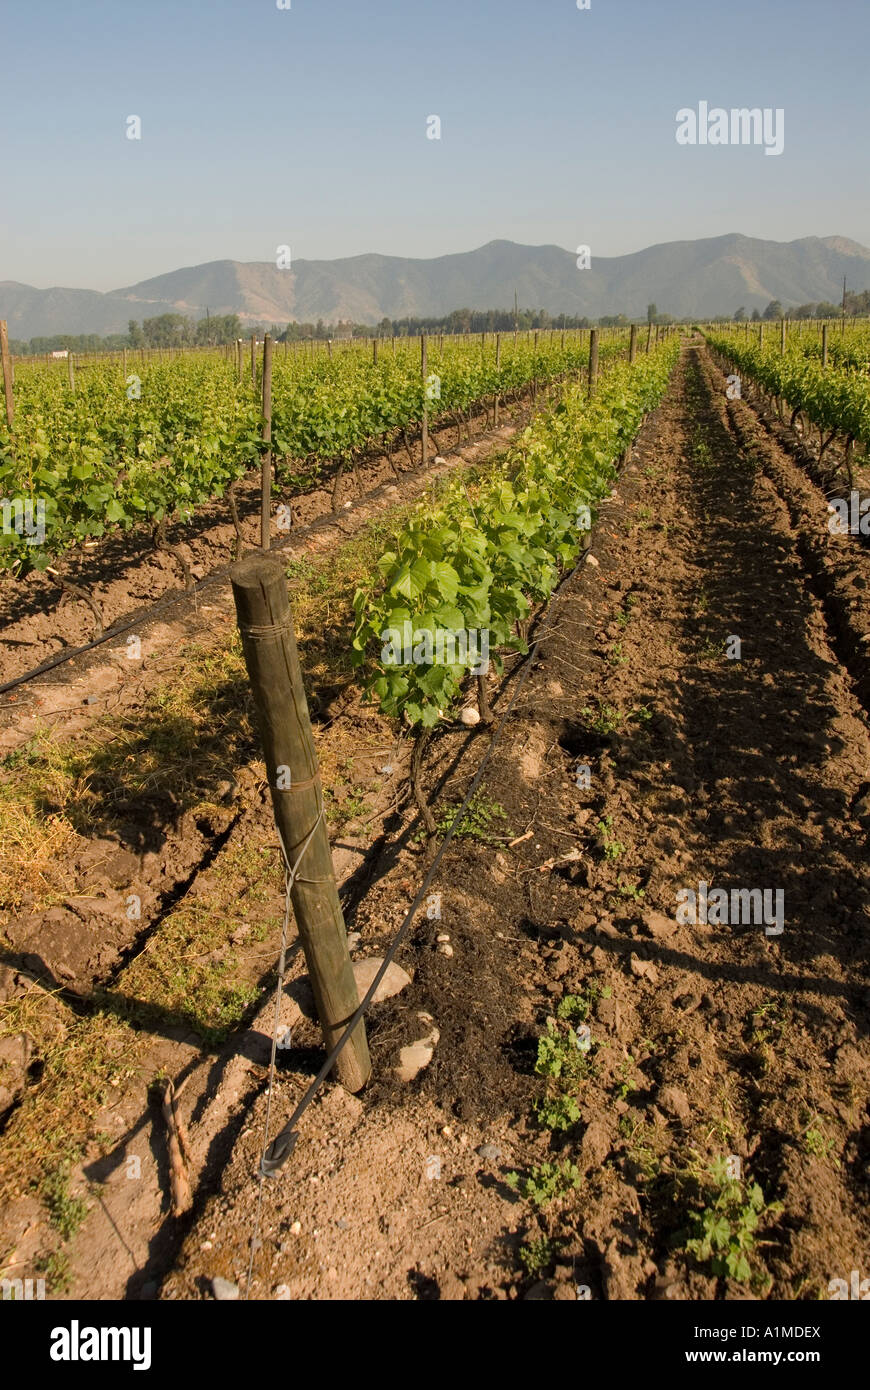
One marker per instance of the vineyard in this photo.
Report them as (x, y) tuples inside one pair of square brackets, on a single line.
[(655, 689), (114, 451), (823, 385)]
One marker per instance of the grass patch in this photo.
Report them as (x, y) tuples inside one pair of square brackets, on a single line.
[(65, 1211)]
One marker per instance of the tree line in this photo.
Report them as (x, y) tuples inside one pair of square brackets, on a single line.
[(857, 304), (177, 330)]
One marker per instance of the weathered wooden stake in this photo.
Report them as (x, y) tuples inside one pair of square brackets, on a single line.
[(498, 368), (424, 372), (593, 360), (7, 373), (266, 477), (266, 625), (632, 343), (71, 372), (824, 346), (254, 360)]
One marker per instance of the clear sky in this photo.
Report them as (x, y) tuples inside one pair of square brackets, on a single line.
[(307, 127)]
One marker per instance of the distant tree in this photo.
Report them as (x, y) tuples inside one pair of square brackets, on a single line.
[(740, 315), (651, 313), (774, 310), (167, 330), (135, 334), (755, 316)]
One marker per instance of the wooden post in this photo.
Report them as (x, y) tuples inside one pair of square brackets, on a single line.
[(375, 351), (632, 343), (498, 369), (71, 372), (266, 625), (266, 475), (329, 347), (7, 373), (782, 337), (254, 360), (424, 373), (761, 335), (593, 360), (649, 335), (824, 346), (535, 372), (239, 358)]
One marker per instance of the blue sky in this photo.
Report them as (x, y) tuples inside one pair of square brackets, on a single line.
[(307, 127)]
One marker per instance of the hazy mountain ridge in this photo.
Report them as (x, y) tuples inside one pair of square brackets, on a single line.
[(709, 276)]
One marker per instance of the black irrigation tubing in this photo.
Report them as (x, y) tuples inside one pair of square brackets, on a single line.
[(284, 1142)]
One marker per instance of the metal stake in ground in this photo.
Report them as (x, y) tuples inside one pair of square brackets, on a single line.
[(265, 622)]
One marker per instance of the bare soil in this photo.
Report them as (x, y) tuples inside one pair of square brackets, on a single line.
[(710, 1041)]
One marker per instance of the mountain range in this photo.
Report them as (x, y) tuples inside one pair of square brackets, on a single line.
[(702, 278)]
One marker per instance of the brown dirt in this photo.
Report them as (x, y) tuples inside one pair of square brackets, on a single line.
[(720, 1040), (713, 1040)]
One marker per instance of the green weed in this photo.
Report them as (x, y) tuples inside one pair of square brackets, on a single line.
[(544, 1182), (723, 1235), (536, 1255), (480, 822)]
